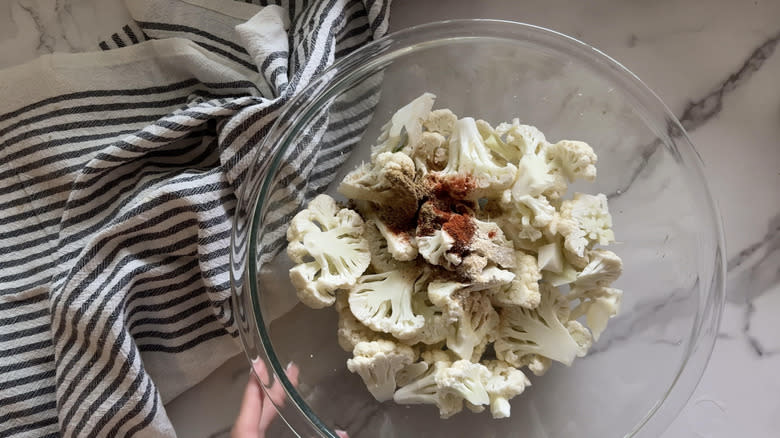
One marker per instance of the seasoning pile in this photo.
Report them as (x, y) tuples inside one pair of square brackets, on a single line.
[(458, 260)]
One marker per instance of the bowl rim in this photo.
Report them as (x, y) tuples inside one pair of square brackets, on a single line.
[(300, 107)]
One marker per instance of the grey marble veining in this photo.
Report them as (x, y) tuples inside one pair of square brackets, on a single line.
[(716, 65)]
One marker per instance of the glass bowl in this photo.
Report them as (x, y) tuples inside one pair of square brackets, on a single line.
[(641, 372)]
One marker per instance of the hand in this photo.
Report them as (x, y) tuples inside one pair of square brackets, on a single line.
[(257, 409)]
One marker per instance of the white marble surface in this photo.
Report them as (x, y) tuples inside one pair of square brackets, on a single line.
[(716, 66)]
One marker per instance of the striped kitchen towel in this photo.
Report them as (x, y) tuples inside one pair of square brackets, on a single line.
[(118, 174)]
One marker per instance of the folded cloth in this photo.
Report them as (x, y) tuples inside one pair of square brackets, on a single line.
[(117, 178)]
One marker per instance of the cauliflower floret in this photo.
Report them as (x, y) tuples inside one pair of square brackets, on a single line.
[(527, 217), (424, 390), (406, 122), (534, 178), (328, 246), (401, 245), (550, 258), (598, 306), (441, 121), (473, 319), (469, 156), (466, 380), (541, 331), (436, 249), (572, 159), (567, 275), (430, 153), (388, 179), (490, 243), (377, 363), (504, 383), (383, 302), (536, 364), (575, 244), (603, 269), (518, 140), (436, 322), (524, 289), (592, 216), (351, 331), (381, 259)]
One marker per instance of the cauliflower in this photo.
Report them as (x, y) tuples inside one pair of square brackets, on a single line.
[(465, 379), (425, 390), (598, 306), (381, 259), (524, 289), (383, 302), (469, 156), (377, 363), (550, 258), (503, 383), (389, 179), (575, 244), (401, 245), (351, 331), (405, 127), (436, 324), (592, 217), (528, 217), (440, 121), (540, 331), (572, 160), (602, 270), (328, 246), (534, 178), (472, 317), (437, 248), (430, 153), (536, 364)]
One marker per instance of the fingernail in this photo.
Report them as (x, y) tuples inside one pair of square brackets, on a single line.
[(289, 365)]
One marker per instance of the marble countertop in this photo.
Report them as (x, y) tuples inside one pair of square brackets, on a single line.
[(715, 64)]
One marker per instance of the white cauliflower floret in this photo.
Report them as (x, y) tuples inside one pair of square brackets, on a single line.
[(572, 159), (351, 331), (440, 121), (470, 314), (592, 216), (567, 275), (436, 324), (383, 302), (534, 178), (328, 246), (550, 258), (430, 153), (381, 181), (467, 380), (540, 331), (518, 140), (468, 155), (524, 289), (575, 244), (377, 363), (598, 306), (405, 127), (527, 217), (490, 243), (503, 383), (424, 390), (536, 364), (381, 259), (603, 269), (402, 246), (436, 249)]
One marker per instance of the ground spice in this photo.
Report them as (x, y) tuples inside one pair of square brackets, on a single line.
[(461, 228)]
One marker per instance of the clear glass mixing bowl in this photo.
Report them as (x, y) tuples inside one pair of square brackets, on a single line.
[(646, 365)]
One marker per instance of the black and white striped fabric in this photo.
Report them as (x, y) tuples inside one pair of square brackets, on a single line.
[(117, 178)]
